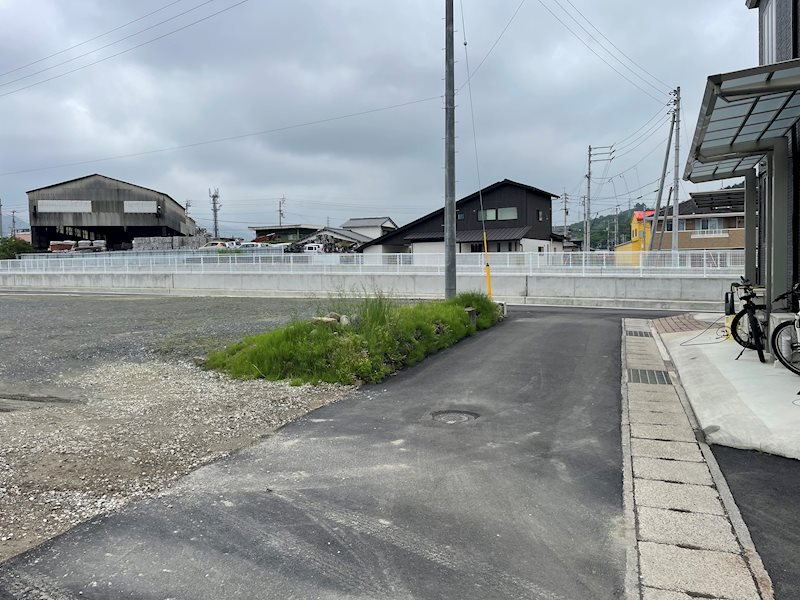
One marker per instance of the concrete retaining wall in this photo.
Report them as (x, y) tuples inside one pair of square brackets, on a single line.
[(676, 293)]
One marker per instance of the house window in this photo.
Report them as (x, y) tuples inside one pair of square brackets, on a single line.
[(460, 215), (476, 248), (540, 215), (541, 248), (712, 223), (507, 214), (681, 225), (768, 42), (510, 246), (490, 214)]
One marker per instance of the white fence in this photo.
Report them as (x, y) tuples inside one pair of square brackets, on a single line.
[(694, 263)]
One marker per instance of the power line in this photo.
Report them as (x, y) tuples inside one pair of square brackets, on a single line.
[(647, 133), (227, 138), (497, 41), (643, 140), (155, 39), (635, 165), (611, 54), (650, 120), (667, 86), (114, 43), (97, 37), (592, 50)]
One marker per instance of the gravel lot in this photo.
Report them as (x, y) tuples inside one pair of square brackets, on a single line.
[(100, 401)]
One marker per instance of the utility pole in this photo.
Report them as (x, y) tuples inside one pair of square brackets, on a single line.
[(660, 190), (675, 208), (587, 224), (281, 214), (587, 244), (449, 157), (13, 223), (186, 208), (215, 206), (616, 225), (566, 212), (1, 217)]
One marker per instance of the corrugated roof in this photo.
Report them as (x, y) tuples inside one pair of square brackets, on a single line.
[(710, 203), (743, 114), (52, 185), (502, 234), (368, 222)]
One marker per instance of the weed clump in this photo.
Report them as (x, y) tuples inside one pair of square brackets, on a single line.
[(383, 336)]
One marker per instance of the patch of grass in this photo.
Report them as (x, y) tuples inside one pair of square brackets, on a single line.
[(383, 337)]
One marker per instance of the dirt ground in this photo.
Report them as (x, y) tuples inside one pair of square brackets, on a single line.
[(100, 402)]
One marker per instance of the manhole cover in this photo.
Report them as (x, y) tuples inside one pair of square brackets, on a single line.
[(451, 417)]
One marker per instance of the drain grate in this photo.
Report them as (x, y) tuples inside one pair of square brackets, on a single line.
[(649, 376), (451, 417), (634, 333)]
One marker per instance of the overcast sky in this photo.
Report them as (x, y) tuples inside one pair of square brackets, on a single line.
[(540, 98)]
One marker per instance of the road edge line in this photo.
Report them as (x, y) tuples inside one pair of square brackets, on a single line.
[(633, 586)]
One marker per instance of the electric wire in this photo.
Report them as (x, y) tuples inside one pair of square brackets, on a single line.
[(667, 86), (657, 89), (475, 141), (114, 43), (593, 51), (226, 138), (646, 134), (155, 39), (634, 148), (492, 47), (97, 37), (650, 120)]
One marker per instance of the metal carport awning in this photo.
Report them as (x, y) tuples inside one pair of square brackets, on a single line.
[(745, 118), (743, 114)]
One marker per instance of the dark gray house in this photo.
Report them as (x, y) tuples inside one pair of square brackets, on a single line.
[(518, 218), (97, 207)]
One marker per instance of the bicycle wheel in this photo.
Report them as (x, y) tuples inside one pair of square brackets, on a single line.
[(785, 346), (740, 330), (757, 335)]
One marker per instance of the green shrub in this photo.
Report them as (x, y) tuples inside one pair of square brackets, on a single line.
[(384, 336), (10, 247)]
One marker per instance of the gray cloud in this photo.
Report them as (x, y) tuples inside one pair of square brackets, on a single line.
[(540, 99)]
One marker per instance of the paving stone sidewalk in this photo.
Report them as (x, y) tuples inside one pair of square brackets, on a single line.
[(690, 539)]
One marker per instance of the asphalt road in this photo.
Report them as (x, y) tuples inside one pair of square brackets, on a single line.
[(767, 492), (374, 498)]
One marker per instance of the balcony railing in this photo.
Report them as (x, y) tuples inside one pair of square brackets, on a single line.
[(710, 233)]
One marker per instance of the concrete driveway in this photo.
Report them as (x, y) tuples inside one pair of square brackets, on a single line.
[(516, 496)]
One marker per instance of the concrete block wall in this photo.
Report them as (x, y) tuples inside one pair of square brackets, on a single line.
[(678, 293)]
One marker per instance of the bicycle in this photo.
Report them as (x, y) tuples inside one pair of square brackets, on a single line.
[(785, 337), (746, 328)]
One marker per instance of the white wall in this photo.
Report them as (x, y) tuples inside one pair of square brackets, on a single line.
[(380, 249), (427, 247), (530, 245), (677, 293)]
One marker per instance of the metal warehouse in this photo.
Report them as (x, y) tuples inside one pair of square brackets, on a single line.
[(97, 207)]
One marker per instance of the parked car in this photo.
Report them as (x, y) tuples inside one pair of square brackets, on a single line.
[(250, 245), (312, 248), (209, 245)]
